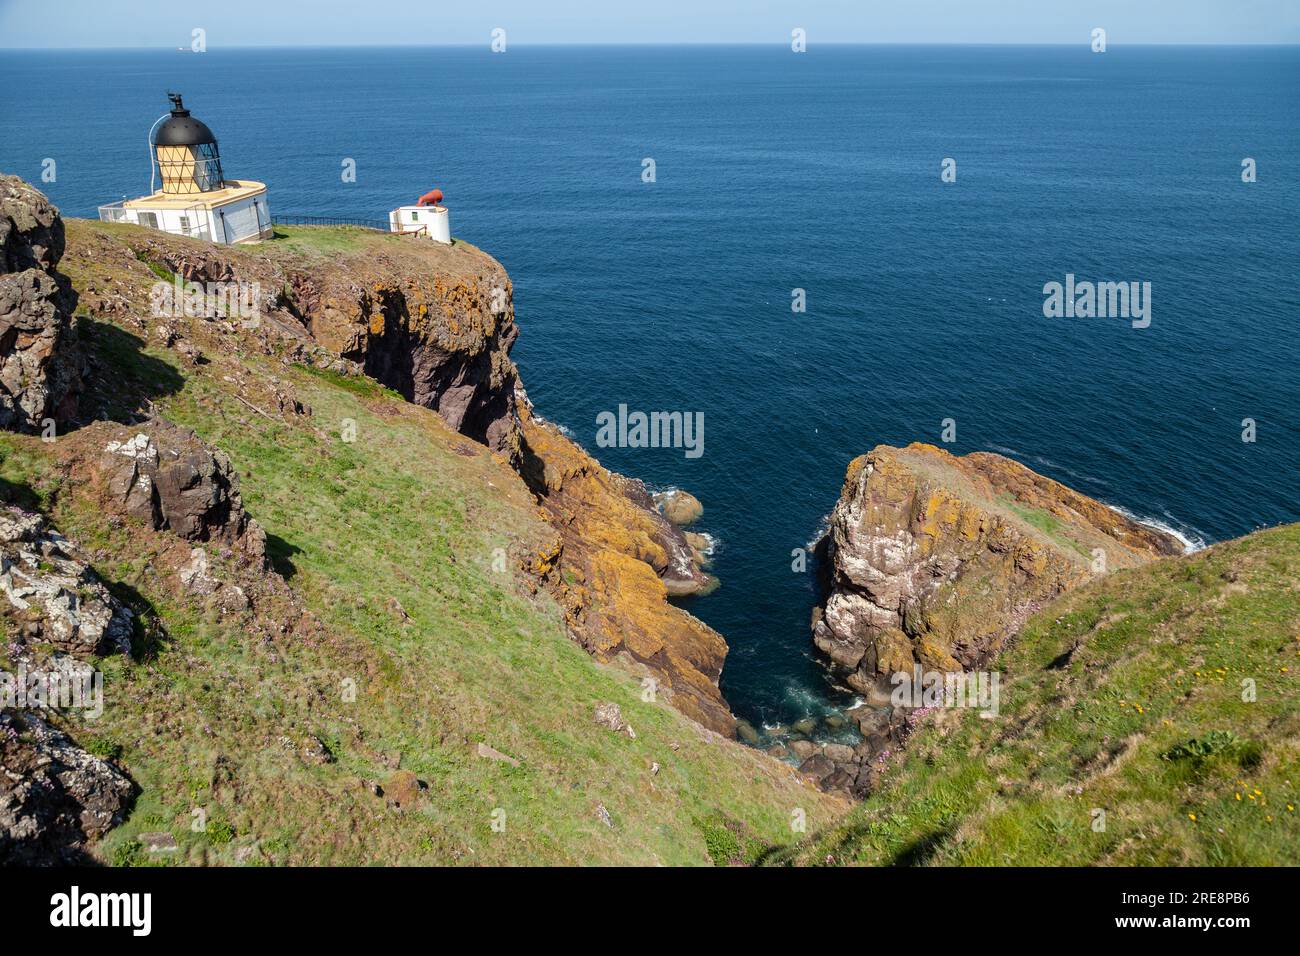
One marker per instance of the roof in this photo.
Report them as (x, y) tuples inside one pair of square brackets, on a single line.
[(230, 191), (182, 129)]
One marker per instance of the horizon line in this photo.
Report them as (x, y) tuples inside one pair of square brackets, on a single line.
[(642, 43)]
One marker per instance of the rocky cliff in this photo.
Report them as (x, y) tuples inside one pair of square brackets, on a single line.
[(937, 559), (39, 372), (435, 323), (319, 608), (615, 562)]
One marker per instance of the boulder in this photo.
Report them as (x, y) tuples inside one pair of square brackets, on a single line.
[(55, 797), (802, 749), (679, 507), (169, 478), (840, 753), (47, 582)]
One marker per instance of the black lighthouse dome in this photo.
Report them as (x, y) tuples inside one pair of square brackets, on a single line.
[(182, 129), (186, 152)]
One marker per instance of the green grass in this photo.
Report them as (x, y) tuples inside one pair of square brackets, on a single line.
[(326, 239), (214, 722), (1125, 697)]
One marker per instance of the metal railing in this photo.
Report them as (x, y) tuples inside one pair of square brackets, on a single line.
[(113, 212), (378, 224)]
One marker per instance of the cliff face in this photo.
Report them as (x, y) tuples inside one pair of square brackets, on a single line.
[(937, 560), (616, 561), (436, 324), (39, 373)]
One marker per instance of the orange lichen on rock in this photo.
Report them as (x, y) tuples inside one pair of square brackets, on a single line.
[(937, 559), (619, 563)]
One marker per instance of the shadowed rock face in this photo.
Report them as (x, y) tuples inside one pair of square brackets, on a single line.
[(55, 797), (39, 373), (937, 560), (453, 357), (167, 477)]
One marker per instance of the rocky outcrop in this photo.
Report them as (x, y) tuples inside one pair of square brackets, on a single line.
[(679, 507), (613, 567), (936, 560), (169, 478), (39, 370), (432, 322), (55, 797), (51, 594)]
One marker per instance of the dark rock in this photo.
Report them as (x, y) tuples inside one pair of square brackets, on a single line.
[(818, 765), (167, 477), (55, 797), (31, 232), (837, 780), (40, 368)]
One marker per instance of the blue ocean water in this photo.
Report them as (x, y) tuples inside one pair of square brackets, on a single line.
[(820, 171)]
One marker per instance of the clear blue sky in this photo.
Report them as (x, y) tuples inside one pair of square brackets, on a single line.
[(168, 23)]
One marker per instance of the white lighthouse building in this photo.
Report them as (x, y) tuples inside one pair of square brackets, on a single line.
[(195, 198), (428, 218)]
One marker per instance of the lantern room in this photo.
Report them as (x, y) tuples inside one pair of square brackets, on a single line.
[(186, 153)]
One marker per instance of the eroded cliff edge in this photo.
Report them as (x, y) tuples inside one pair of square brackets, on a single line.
[(436, 324)]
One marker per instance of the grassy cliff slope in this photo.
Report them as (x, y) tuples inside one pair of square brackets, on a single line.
[(1151, 717)]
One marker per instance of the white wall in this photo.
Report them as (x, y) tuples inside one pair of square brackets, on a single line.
[(435, 220)]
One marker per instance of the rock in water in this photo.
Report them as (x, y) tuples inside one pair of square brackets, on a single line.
[(680, 507), (54, 796), (936, 559), (40, 371)]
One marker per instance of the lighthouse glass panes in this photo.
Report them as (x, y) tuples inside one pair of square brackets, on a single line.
[(189, 169)]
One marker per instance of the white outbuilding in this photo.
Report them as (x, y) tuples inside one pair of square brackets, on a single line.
[(427, 218)]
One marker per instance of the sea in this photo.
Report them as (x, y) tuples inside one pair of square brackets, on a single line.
[(816, 252)]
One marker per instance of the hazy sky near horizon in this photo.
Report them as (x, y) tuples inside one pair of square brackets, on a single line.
[(169, 23)]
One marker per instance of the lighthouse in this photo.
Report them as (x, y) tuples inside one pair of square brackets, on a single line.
[(194, 197), (427, 218)]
